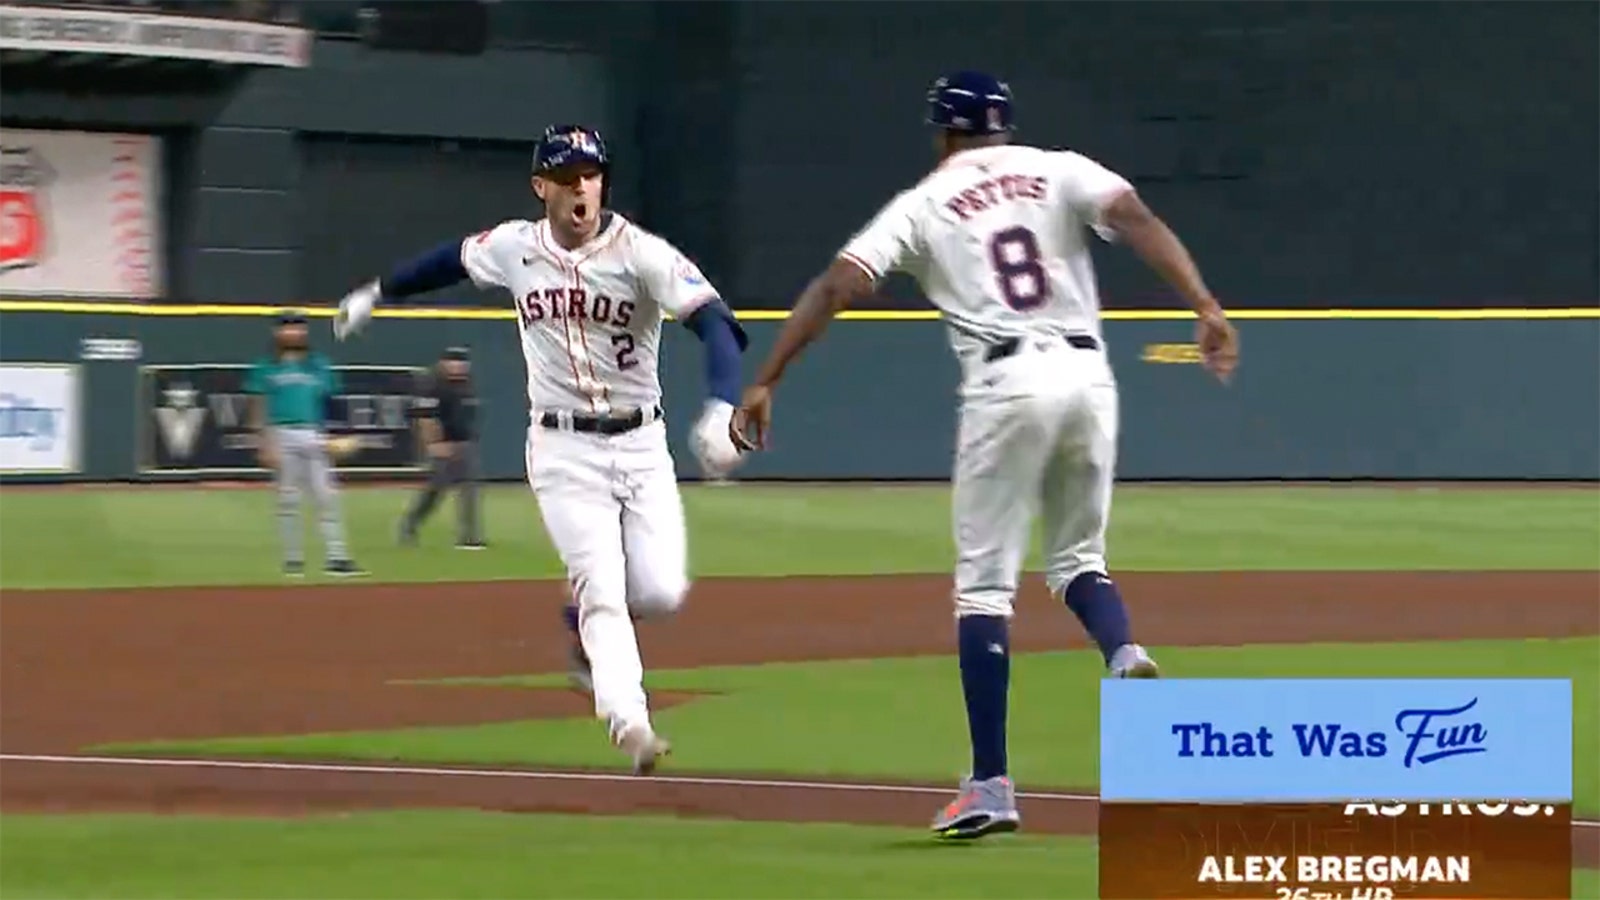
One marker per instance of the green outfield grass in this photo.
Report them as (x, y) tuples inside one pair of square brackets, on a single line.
[(460, 855), (466, 855), (160, 537), (899, 718)]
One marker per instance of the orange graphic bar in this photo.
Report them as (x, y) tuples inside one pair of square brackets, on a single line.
[(1335, 851)]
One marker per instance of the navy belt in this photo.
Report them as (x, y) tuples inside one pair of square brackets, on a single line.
[(599, 424), (1010, 346)]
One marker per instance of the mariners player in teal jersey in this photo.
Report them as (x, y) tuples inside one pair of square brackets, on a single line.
[(292, 390)]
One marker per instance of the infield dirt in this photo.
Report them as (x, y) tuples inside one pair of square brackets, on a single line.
[(81, 668)]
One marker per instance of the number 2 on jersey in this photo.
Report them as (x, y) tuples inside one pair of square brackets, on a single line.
[(623, 341), (1018, 268)]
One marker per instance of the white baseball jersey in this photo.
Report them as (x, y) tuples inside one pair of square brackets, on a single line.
[(590, 318), (996, 238)]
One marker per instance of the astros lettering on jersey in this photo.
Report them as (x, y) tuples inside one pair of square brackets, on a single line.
[(590, 319)]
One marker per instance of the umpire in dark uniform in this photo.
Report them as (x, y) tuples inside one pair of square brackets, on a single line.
[(446, 413)]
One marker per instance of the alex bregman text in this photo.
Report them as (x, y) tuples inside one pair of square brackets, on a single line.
[(1389, 870)]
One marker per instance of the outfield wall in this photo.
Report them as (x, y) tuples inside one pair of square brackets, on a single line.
[(1315, 398)]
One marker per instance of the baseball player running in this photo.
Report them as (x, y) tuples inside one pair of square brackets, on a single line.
[(292, 390), (995, 236), (591, 290)]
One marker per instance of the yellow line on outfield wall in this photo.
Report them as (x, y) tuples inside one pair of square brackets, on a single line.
[(95, 307)]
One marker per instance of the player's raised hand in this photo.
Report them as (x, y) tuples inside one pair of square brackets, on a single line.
[(354, 310), (752, 420), (1219, 344)]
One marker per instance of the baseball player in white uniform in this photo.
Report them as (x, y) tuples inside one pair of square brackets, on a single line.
[(995, 235), (591, 290)]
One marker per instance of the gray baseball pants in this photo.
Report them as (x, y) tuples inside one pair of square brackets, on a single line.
[(303, 464), (462, 470)]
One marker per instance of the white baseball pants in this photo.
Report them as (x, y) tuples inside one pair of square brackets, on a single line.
[(611, 507), (1037, 436)]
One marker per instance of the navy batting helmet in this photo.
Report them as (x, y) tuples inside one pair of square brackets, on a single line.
[(970, 103), (563, 145)]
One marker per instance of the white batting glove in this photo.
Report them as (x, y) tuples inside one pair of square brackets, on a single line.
[(354, 310), (710, 442)]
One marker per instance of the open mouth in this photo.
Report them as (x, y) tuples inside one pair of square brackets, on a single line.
[(581, 211)]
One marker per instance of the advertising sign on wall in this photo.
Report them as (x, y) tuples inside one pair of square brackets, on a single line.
[(152, 34), (39, 409), (196, 419), (80, 214)]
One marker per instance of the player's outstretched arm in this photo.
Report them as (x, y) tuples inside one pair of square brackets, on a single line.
[(437, 268), (724, 340), (1161, 250), (887, 242), (841, 284), (678, 286)]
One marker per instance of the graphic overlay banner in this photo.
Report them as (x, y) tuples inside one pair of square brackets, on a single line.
[(196, 419), (1308, 739), (1339, 788)]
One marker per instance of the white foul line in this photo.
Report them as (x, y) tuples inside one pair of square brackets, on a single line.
[(531, 774), (514, 773)]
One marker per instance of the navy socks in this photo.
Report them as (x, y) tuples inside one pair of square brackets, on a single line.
[(1093, 598), (985, 647)]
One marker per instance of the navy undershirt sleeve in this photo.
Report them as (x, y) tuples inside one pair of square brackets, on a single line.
[(437, 268), (716, 327)]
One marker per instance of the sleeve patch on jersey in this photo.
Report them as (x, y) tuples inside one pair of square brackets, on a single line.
[(687, 272)]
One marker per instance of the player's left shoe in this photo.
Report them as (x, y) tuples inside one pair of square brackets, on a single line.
[(644, 747), (1133, 661), (343, 568), (983, 807)]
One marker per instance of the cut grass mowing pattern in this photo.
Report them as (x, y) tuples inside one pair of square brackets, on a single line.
[(900, 719)]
